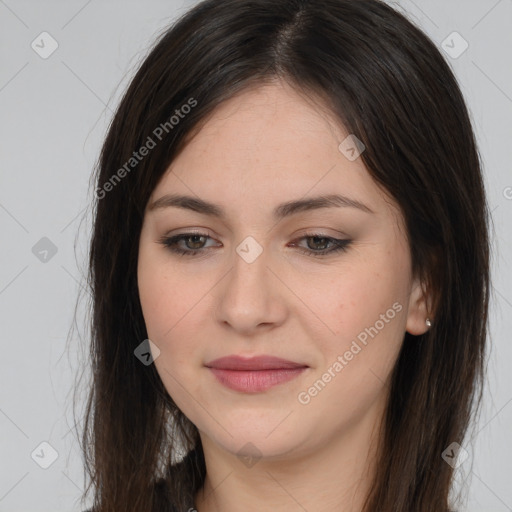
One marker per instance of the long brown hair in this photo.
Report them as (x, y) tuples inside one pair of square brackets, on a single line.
[(388, 84)]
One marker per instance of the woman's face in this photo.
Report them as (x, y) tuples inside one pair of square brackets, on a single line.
[(259, 286)]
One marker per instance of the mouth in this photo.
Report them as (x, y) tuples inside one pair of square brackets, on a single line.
[(253, 363), (254, 374)]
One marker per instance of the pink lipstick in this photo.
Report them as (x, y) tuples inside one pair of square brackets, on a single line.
[(254, 374)]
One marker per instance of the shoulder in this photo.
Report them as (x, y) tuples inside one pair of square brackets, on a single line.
[(164, 501), (162, 492)]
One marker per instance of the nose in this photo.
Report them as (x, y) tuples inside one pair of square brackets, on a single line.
[(251, 296)]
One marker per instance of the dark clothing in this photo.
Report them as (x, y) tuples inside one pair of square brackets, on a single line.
[(190, 508), (160, 499), (188, 466)]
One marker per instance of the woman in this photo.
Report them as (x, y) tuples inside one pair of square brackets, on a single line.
[(289, 268)]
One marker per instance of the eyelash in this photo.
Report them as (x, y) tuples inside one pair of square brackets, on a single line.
[(339, 245)]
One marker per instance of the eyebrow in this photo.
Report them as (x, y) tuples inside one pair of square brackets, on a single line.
[(283, 210)]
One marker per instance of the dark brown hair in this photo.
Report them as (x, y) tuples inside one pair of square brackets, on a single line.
[(388, 84)]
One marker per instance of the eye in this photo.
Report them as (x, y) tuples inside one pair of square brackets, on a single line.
[(190, 239), (325, 244), (317, 244)]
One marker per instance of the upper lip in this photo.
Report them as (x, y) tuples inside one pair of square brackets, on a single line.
[(252, 363)]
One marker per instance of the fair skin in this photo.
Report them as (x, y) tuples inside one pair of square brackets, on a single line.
[(266, 146)]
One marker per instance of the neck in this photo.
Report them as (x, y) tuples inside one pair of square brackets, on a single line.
[(334, 476)]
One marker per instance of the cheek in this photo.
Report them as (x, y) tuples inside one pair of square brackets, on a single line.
[(167, 307), (164, 298), (364, 308), (367, 314), (173, 308), (155, 302), (347, 300)]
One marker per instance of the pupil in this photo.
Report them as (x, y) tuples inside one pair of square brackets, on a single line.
[(194, 238), (315, 238)]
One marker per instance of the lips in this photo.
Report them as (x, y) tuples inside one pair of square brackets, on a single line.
[(254, 374), (253, 363)]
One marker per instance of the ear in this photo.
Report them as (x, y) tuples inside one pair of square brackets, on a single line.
[(419, 308)]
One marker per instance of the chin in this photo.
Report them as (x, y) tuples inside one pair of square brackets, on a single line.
[(256, 440)]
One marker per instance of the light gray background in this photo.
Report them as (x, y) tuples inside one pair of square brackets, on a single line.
[(54, 113)]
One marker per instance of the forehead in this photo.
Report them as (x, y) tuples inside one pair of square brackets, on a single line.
[(265, 145)]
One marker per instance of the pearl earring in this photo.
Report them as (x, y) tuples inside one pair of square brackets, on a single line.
[(428, 322)]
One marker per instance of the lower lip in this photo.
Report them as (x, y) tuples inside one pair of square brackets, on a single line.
[(255, 380)]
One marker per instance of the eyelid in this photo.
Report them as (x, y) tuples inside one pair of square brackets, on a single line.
[(337, 245), (302, 233)]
